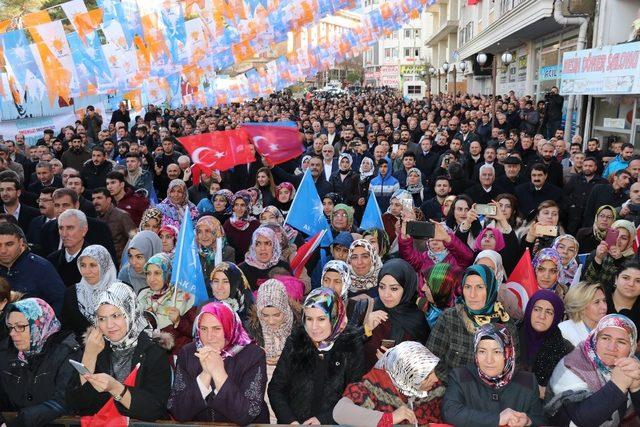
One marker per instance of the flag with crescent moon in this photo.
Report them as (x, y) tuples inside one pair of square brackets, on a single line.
[(277, 142), (220, 150)]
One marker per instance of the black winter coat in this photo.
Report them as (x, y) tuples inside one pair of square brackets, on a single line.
[(307, 383), (148, 397), (36, 390)]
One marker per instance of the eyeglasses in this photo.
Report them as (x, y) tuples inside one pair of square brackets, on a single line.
[(113, 317), (17, 328)]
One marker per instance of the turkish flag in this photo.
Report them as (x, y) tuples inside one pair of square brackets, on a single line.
[(304, 253), (472, 2), (522, 281), (277, 142), (220, 150), (108, 415)]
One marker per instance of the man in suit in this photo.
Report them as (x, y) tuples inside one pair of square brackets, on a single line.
[(45, 206), (98, 232), (45, 178), (72, 226), (10, 190)]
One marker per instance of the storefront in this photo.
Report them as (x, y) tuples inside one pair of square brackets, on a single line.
[(610, 77)]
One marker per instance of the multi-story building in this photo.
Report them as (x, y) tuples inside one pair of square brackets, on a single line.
[(444, 45), (398, 59)]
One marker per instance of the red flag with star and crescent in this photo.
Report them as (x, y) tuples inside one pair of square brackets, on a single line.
[(219, 150), (277, 142)]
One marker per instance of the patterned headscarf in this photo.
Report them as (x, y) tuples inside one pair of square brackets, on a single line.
[(239, 290), (492, 311), (235, 336), (568, 271), (172, 212), (400, 194), (347, 209), (256, 207), (148, 215), (86, 293), (288, 186), (408, 364), (631, 229), (332, 306), (163, 261), (497, 235), (273, 293), (228, 195), (500, 334), (617, 321), (548, 254), (209, 253), (241, 223), (342, 269), (442, 279), (382, 237), (42, 323), (369, 279), (496, 258), (121, 296), (363, 174), (251, 257), (535, 339), (601, 234), (414, 188), (291, 233)]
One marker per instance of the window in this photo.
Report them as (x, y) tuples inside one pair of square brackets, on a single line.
[(407, 33), (416, 33), (390, 53), (407, 51), (414, 90)]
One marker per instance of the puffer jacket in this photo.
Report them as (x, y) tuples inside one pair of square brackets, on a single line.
[(36, 389), (307, 383)]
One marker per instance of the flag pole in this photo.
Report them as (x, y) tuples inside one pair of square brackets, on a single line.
[(182, 233)]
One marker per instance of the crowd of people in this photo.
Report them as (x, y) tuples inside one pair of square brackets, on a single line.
[(387, 325)]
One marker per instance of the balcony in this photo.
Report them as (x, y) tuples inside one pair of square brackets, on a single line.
[(449, 27)]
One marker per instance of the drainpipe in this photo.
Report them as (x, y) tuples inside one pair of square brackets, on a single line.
[(583, 22)]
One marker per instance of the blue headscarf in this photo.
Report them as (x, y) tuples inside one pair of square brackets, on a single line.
[(492, 311)]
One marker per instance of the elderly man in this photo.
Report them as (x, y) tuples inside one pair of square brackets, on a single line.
[(72, 226), (486, 190)]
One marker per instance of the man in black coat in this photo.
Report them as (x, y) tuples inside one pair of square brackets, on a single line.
[(45, 206), (532, 193), (317, 173), (432, 208), (98, 232), (546, 156), (121, 115), (10, 190), (426, 159), (614, 194), (513, 175), (45, 178), (72, 226), (486, 191), (94, 173), (577, 192), (489, 155), (553, 107)]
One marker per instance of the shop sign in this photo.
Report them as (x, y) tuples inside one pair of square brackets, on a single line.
[(549, 73), (608, 70), (411, 69)]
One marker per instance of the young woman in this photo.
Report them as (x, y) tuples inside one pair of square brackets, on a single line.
[(568, 249), (172, 308), (34, 364), (151, 220), (452, 337), (317, 363), (240, 226), (264, 255), (141, 247), (220, 375), (547, 266), (395, 390), (463, 220), (285, 192), (492, 393), (79, 308), (114, 347), (379, 240), (585, 304), (228, 284), (624, 298), (548, 214), (395, 316), (595, 384), (169, 235), (209, 234), (606, 261), (219, 206), (364, 265), (336, 276), (266, 185)]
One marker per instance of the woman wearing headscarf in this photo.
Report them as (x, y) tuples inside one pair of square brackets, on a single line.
[(364, 265), (394, 390), (34, 364), (568, 249), (438, 287), (171, 307), (119, 342), (590, 237), (169, 236), (400, 202), (141, 247), (79, 308), (415, 187), (151, 220), (379, 240), (395, 317), (220, 376), (491, 392), (547, 266), (605, 261), (256, 204), (585, 304), (345, 181), (304, 165), (219, 206), (329, 201), (341, 218), (595, 384), (337, 276), (508, 299), (541, 342), (264, 255), (285, 192), (240, 226), (318, 361), (209, 234), (228, 284), (292, 239), (176, 204), (452, 337)]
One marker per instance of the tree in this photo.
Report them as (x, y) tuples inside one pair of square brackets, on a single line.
[(12, 8)]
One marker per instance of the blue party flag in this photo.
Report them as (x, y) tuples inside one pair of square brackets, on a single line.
[(306, 213), (186, 270), (372, 217)]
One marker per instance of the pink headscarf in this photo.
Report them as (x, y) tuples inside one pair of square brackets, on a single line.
[(235, 337), (497, 234)]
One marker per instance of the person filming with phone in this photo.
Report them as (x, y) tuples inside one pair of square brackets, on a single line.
[(606, 261)]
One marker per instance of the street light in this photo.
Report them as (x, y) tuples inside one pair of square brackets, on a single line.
[(445, 68)]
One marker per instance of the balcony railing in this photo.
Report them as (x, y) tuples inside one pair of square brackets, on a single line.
[(508, 5)]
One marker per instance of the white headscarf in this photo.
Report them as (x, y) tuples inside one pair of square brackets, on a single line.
[(87, 293), (500, 273)]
